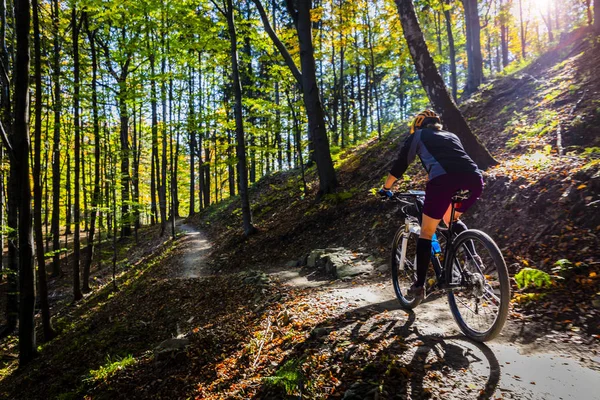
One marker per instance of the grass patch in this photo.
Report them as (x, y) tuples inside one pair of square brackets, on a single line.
[(110, 368), (287, 378), (545, 122), (515, 66)]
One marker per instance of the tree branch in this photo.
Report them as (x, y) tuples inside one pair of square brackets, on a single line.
[(486, 18), (4, 71), (280, 46), (292, 11), (104, 47), (6, 142), (218, 8)]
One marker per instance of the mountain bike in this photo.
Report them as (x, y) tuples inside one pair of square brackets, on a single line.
[(469, 267)]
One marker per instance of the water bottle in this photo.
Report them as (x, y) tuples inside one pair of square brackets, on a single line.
[(435, 245)]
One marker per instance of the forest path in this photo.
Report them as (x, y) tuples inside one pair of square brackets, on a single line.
[(197, 249), (513, 366)]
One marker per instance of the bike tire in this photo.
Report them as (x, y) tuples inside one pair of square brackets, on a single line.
[(493, 286), (402, 270)]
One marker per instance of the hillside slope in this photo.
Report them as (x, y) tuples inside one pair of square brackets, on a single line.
[(540, 203), (534, 193)]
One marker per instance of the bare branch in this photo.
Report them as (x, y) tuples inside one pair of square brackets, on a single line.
[(104, 47), (4, 71), (487, 17), (218, 8), (280, 46), (6, 142), (292, 11)]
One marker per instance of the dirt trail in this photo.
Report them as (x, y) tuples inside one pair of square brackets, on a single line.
[(511, 366), (513, 369), (197, 250)]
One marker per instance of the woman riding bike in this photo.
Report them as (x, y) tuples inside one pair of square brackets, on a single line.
[(449, 169)]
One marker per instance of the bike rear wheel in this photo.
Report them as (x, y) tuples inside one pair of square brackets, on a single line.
[(404, 266), (480, 306)]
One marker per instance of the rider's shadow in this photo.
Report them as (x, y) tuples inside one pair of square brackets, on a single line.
[(404, 362), (451, 354)]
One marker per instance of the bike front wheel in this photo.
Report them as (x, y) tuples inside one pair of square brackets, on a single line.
[(480, 305), (404, 266)]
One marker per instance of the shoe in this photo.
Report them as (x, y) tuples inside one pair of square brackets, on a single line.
[(416, 292)]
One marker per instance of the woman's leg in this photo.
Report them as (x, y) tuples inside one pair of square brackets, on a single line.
[(446, 218), (428, 227)]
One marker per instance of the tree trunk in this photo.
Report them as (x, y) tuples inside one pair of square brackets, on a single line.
[(230, 166), (84, 186), (298, 141), (174, 212), (175, 165), (334, 101), (475, 59), (299, 79), (438, 34), (56, 271), (12, 267), (154, 178), (27, 347), (5, 117), (375, 84), (162, 190), (37, 187), (452, 51), (192, 143), (135, 177), (312, 101), (97, 140), (69, 215), (206, 175), (342, 97), (548, 21), (523, 32), (124, 139), (504, 38), (277, 100), (434, 86), (239, 126), (76, 238), (201, 132)]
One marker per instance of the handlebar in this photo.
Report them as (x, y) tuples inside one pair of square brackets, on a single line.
[(410, 193), (406, 197)]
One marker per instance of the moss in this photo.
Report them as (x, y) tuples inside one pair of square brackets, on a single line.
[(111, 367)]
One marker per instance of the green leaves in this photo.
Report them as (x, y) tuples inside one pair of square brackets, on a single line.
[(111, 367), (533, 277), (288, 377)]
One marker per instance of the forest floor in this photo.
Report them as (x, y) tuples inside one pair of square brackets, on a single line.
[(215, 315), (276, 334)]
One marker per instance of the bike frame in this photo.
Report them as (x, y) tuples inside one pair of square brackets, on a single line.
[(443, 271)]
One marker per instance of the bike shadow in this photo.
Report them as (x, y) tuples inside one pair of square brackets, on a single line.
[(384, 355)]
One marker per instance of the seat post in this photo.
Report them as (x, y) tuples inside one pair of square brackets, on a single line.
[(451, 222)]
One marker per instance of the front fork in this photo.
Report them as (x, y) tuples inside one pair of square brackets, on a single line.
[(411, 226)]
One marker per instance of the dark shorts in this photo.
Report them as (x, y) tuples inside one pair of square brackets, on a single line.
[(439, 192)]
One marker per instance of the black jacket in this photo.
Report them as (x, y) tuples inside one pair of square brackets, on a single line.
[(440, 152)]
